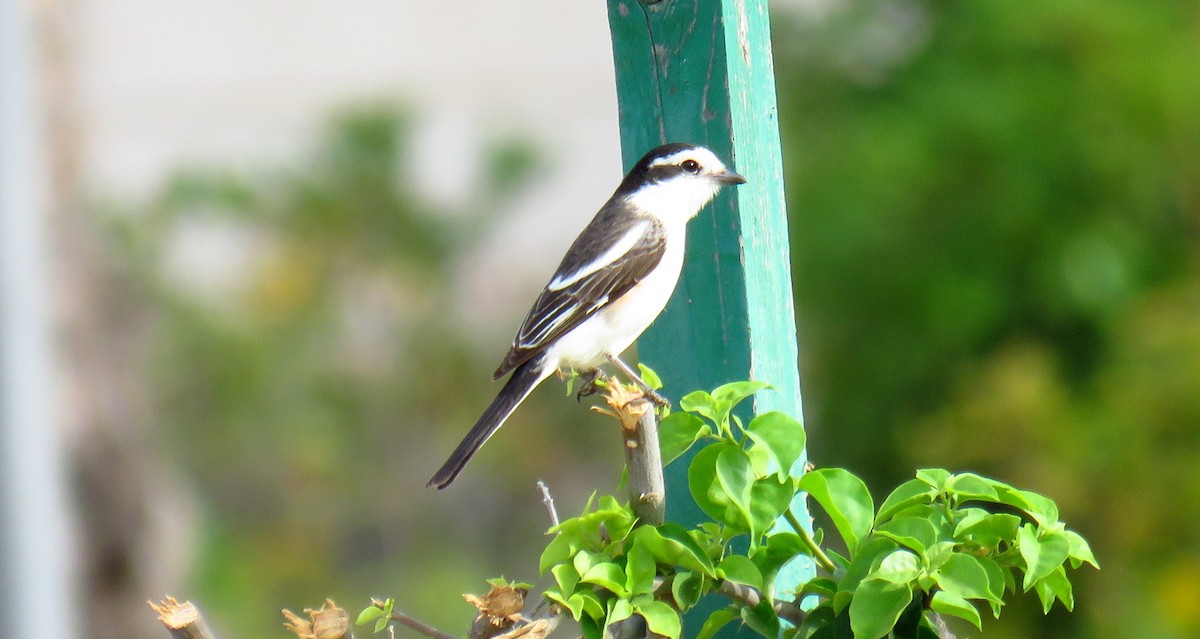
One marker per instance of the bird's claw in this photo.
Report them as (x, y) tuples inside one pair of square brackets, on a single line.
[(591, 383)]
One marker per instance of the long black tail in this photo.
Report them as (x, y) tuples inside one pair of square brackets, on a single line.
[(523, 380)]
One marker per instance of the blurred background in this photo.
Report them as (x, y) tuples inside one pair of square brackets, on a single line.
[(287, 243)]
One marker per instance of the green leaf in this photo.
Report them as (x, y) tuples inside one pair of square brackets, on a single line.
[(869, 556), (735, 392), (715, 622), (575, 606), (1042, 552), (876, 606), (591, 628), (997, 580), (769, 498), (381, 615), (557, 551), (566, 576), (590, 603), (910, 493), (369, 614), (1055, 585), (618, 610), (938, 553), (584, 531), (762, 618), (846, 498), (948, 603), (782, 435), (639, 569), (823, 587), (687, 588), (650, 377), (970, 486), (677, 432), (898, 567), (584, 560), (661, 619), (708, 490), (779, 549), (739, 569), (823, 622), (1079, 551), (916, 533), (735, 477), (607, 575), (1045, 595), (717, 406), (701, 403), (964, 576), (936, 478), (987, 529), (1043, 511), (671, 544)]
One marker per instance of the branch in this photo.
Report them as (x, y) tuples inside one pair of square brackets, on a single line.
[(751, 597), (183, 620), (548, 500), (939, 622), (421, 627), (639, 433)]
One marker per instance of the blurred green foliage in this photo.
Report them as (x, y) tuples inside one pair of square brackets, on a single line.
[(996, 226), (309, 393)]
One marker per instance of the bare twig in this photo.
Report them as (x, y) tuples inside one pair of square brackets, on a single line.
[(548, 500), (182, 620), (751, 597), (943, 630), (421, 627), (639, 432)]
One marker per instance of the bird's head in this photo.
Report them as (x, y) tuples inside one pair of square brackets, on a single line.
[(676, 180)]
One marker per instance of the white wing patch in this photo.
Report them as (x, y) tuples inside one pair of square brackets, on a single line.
[(621, 247), (563, 314)]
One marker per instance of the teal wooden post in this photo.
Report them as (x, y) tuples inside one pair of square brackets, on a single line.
[(701, 71)]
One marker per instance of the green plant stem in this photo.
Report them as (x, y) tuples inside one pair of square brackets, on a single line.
[(811, 543)]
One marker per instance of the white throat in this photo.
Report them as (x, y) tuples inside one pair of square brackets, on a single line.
[(673, 201)]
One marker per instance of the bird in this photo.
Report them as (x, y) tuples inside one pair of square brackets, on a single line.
[(613, 282)]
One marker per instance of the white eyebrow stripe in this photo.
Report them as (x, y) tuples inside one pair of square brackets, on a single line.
[(674, 158), (621, 247)]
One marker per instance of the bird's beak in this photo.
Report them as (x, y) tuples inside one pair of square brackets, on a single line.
[(729, 177)]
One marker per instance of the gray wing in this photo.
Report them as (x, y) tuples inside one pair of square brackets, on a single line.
[(604, 263)]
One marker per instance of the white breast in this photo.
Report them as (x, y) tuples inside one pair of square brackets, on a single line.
[(614, 329)]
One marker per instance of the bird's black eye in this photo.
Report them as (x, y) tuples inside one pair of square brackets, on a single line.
[(691, 166)]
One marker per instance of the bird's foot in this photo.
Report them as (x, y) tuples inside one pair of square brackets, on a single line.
[(648, 392), (591, 382), (653, 396)]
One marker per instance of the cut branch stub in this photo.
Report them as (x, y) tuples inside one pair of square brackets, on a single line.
[(329, 622), (181, 619), (639, 433)]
